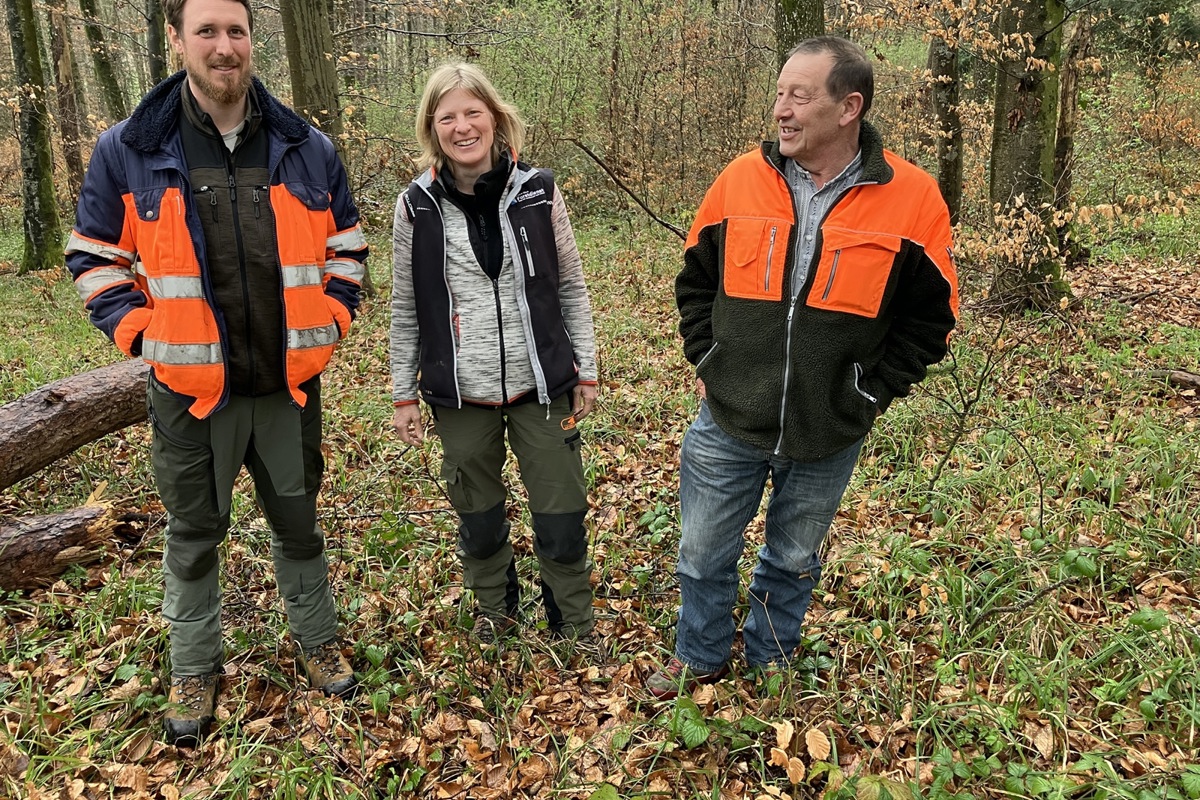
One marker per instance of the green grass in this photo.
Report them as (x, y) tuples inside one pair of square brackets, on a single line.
[(1007, 607)]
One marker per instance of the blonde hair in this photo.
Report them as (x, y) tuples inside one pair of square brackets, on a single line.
[(510, 128)]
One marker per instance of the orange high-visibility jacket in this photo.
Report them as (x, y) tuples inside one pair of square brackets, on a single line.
[(137, 250), (806, 377)]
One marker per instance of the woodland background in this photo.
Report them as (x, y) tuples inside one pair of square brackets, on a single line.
[(1010, 604)]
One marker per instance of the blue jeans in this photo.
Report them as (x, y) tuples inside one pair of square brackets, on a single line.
[(721, 481)]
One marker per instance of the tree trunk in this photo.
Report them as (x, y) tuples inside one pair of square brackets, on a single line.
[(943, 66), (58, 418), (36, 550), (1023, 129), (309, 37), (156, 41), (1068, 119), (43, 234), (66, 91), (114, 97), (796, 20)]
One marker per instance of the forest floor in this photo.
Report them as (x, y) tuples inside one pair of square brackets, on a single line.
[(1009, 608)]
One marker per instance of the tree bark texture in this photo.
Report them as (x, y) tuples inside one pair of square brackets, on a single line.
[(1023, 130), (36, 550), (796, 20), (943, 66), (1078, 49), (1025, 118), (309, 37), (43, 235), (114, 97), (56, 419), (156, 41), (66, 91)]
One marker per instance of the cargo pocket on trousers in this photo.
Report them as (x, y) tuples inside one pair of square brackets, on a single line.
[(453, 478)]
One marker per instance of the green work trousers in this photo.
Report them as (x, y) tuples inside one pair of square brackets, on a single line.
[(547, 447), (195, 464)]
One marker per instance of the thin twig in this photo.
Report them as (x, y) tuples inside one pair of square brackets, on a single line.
[(672, 228), (1024, 604)]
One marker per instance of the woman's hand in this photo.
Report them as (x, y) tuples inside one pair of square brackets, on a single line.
[(407, 422)]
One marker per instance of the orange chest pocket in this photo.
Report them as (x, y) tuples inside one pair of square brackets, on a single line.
[(853, 272), (755, 257)]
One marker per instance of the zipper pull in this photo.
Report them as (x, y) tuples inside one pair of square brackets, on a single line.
[(255, 197), (232, 189), (528, 253)]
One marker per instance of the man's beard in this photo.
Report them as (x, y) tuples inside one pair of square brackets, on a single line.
[(222, 92)]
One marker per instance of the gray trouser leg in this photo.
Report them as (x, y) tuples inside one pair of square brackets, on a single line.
[(488, 579), (193, 610), (304, 585), (567, 593)]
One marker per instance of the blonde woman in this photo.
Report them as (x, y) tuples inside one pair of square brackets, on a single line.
[(492, 328)]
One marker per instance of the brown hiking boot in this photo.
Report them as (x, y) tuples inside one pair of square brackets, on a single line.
[(193, 700), (676, 677), (489, 630), (327, 669)]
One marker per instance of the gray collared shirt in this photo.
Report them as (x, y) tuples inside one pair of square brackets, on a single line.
[(812, 204)]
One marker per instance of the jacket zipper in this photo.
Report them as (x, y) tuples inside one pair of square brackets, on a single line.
[(212, 199), (858, 373), (506, 224), (787, 370), (837, 256), (770, 254), (257, 197), (528, 252), (241, 253), (500, 331)]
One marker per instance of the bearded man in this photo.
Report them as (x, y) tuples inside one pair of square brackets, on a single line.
[(217, 239)]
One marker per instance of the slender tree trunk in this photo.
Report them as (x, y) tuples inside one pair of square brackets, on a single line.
[(43, 234), (156, 41), (66, 91), (1023, 130), (943, 66), (1078, 49), (796, 20), (114, 97)]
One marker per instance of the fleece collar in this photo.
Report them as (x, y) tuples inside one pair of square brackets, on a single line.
[(156, 117)]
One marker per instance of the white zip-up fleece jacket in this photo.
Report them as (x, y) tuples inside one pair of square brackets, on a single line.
[(479, 335)]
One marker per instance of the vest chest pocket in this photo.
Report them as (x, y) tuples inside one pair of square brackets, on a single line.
[(755, 257), (852, 274)]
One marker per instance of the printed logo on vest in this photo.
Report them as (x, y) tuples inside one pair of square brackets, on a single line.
[(523, 196)]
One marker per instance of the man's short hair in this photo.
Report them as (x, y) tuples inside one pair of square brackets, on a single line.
[(851, 72), (510, 128), (173, 12)]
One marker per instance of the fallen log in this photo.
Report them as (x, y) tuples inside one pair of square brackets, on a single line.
[(60, 417), (36, 550)]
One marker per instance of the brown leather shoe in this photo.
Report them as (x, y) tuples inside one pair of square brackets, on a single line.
[(327, 669), (193, 700)]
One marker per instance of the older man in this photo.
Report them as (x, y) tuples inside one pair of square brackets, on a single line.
[(817, 286), (216, 237)]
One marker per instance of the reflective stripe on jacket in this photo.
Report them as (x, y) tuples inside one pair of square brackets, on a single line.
[(139, 262)]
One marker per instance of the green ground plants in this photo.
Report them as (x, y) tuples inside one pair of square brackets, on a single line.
[(1008, 606)]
